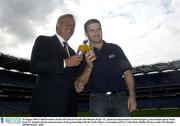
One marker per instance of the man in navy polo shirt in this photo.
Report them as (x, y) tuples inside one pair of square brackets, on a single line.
[(108, 77)]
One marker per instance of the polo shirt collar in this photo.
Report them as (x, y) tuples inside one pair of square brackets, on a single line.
[(103, 46)]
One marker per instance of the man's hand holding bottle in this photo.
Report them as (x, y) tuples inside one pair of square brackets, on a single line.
[(73, 61), (82, 80), (90, 58)]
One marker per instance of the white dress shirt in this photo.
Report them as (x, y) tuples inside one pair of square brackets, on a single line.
[(61, 40)]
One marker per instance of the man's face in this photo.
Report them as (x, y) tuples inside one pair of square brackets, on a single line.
[(94, 33), (66, 28)]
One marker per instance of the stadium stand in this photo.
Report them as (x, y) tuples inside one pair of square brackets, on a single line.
[(157, 85)]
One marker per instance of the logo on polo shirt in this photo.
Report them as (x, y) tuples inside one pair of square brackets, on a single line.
[(112, 56)]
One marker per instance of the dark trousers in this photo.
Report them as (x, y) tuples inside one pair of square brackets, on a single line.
[(109, 105)]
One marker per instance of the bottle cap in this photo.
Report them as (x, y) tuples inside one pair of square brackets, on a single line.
[(85, 41)]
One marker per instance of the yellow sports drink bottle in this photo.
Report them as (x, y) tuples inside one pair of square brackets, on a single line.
[(86, 47)]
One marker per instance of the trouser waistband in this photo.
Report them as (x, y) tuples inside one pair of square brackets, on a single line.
[(109, 92)]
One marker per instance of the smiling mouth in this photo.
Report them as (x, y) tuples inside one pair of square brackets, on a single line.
[(69, 31)]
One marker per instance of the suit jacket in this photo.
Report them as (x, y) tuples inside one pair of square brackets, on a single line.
[(54, 93)]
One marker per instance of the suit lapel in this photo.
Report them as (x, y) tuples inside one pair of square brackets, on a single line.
[(63, 53)]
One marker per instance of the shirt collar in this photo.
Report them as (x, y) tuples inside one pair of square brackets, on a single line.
[(104, 45), (61, 40)]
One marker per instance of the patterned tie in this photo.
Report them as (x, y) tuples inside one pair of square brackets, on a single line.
[(66, 48)]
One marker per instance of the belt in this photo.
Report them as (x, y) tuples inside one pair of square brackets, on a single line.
[(108, 92), (123, 92), (111, 92)]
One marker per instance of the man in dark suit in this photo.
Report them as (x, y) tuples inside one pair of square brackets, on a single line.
[(56, 65)]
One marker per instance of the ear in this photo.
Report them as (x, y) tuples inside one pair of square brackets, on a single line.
[(86, 34), (58, 25)]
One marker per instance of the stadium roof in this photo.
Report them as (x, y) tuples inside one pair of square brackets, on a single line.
[(22, 65), (157, 68), (13, 63)]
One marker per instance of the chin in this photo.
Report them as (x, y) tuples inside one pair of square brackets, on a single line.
[(98, 41)]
